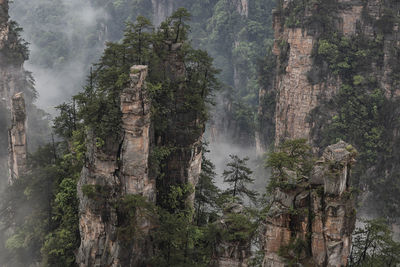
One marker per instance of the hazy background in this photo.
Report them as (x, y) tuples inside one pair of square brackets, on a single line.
[(67, 36)]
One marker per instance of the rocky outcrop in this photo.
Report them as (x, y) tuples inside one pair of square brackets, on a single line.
[(110, 174), (296, 35), (311, 221), (140, 168), (17, 138)]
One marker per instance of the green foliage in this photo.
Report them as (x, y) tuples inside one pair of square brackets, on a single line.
[(96, 192), (178, 240), (323, 14), (237, 42), (291, 162), (60, 244), (15, 50), (373, 245), (238, 176), (66, 123), (132, 211), (99, 104), (206, 193), (42, 207), (359, 112), (294, 251), (241, 228)]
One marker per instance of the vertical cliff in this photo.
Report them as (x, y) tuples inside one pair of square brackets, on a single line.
[(183, 131), (111, 173), (13, 79), (17, 138), (312, 218), (336, 78), (301, 82)]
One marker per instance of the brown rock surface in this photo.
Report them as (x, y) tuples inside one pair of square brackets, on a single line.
[(297, 95), (17, 138), (120, 170), (314, 222)]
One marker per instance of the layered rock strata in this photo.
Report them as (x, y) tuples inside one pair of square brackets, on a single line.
[(311, 222), (17, 138), (116, 171)]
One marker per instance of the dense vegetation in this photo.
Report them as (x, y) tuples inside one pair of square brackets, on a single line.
[(63, 37), (41, 208), (40, 211), (365, 111), (13, 54)]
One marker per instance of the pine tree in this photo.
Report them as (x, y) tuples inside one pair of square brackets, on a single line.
[(238, 175), (207, 192), (373, 245)]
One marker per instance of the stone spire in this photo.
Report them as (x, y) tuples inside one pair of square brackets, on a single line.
[(112, 173), (17, 138)]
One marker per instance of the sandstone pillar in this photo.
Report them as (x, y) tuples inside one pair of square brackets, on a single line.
[(112, 173), (17, 138)]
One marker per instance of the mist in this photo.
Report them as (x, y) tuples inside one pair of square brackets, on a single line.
[(220, 150), (65, 37)]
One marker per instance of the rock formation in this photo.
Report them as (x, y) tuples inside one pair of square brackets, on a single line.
[(113, 172), (117, 170), (311, 221), (11, 75), (14, 79), (17, 138), (296, 35), (184, 132)]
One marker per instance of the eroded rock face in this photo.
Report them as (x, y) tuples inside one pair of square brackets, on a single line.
[(17, 138), (116, 171), (298, 90), (13, 80), (311, 223)]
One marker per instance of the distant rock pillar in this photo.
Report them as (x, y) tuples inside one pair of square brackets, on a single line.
[(17, 138)]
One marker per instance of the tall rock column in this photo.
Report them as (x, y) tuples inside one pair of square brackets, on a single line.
[(14, 79), (297, 85), (17, 138), (311, 221), (184, 131), (136, 115), (112, 173)]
